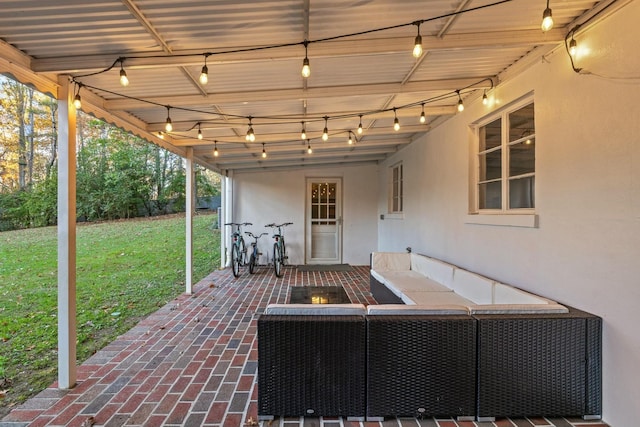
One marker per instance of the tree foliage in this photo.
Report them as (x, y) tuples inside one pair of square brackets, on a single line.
[(118, 175)]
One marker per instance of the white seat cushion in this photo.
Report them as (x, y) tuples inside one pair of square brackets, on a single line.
[(436, 298), (518, 309), (402, 309), (390, 261), (434, 269), (505, 294), (316, 309), (405, 281)]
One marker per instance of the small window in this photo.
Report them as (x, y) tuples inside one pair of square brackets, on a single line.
[(506, 161), (395, 189)]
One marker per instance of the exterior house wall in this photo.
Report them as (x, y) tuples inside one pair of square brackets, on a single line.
[(279, 196), (585, 250)]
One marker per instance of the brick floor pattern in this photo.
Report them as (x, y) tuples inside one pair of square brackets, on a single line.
[(194, 363)]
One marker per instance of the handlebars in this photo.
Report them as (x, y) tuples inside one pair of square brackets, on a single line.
[(273, 224), (250, 234)]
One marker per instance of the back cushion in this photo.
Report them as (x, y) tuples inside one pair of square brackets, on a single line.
[(474, 287), (434, 269), (390, 261), (505, 294)]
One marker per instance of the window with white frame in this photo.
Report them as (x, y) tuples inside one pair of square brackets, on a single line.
[(506, 161), (395, 189)]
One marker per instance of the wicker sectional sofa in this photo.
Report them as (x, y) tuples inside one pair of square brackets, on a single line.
[(442, 342)]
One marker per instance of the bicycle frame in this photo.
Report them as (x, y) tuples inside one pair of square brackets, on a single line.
[(238, 247), (279, 248)]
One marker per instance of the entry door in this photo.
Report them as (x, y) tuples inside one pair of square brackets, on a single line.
[(324, 221)]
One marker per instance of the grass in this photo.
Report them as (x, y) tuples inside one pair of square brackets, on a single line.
[(125, 270)]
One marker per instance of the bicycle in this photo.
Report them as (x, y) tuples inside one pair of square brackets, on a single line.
[(255, 254), (279, 248), (238, 248)]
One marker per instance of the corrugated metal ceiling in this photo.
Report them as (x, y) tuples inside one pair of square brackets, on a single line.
[(163, 43)]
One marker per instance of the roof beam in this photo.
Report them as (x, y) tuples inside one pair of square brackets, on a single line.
[(342, 47)]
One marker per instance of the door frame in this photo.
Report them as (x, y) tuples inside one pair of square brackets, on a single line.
[(339, 218)]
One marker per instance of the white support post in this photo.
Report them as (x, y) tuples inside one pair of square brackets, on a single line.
[(227, 211), (66, 236), (190, 207)]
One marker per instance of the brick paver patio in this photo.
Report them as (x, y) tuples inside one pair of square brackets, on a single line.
[(194, 362)]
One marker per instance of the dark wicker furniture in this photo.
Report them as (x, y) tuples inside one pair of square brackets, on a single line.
[(539, 365), (311, 365), (421, 365)]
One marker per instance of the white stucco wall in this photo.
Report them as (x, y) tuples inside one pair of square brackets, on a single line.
[(265, 197), (586, 250)]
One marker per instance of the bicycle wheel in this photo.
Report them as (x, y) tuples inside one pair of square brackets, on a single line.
[(284, 251), (235, 260), (277, 260), (243, 252), (252, 263)]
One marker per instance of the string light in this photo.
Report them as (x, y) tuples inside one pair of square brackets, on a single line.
[(199, 132), (77, 100), (485, 99), (423, 117), (309, 150), (264, 152), (460, 103), (417, 45), (547, 19), (360, 126), (573, 47), (396, 122), (168, 126), (160, 135), (124, 80), (350, 141), (215, 149), (204, 74), (306, 70), (325, 131), (303, 133), (251, 136)]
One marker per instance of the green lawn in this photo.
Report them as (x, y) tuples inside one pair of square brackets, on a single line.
[(126, 270)]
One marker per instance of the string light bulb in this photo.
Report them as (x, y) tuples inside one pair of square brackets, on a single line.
[(547, 19), (417, 45), (160, 135), (350, 141), (204, 74), (264, 152), (215, 149), (573, 47), (306, 69), (325, 131), (168, 126), (360, 126), (485, 99), (303, 133), (396, 122), (77, 100), (124, 80), (423, 117), (309, 150), (251, 136), (460, 103), (200, 136)]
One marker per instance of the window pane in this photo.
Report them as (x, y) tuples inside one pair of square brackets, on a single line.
[(491, 135), (491, 165), (521, 123), (522, 193), (522, 157), (490, 195)]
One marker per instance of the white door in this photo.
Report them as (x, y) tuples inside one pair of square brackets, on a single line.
[(324, 221)]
